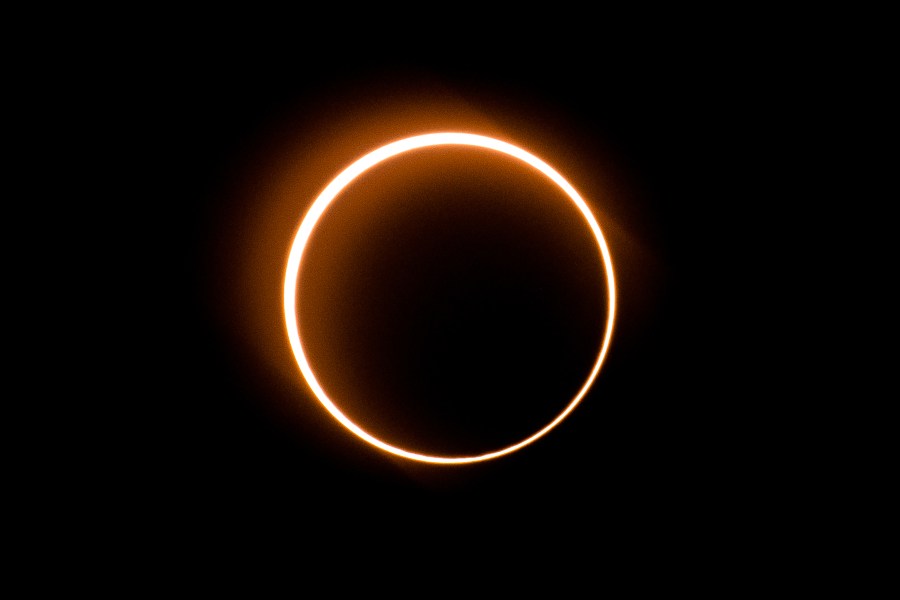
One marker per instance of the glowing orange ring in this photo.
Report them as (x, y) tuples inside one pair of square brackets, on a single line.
[(330, 193)]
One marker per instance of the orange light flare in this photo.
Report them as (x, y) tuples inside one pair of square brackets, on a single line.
[(331, 192)]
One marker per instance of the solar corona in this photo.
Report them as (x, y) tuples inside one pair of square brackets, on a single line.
[(334, 189)]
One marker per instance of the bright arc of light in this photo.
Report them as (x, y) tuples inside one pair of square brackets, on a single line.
[(345, 178)]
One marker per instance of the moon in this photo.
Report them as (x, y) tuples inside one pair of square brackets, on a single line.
[(331, 192)]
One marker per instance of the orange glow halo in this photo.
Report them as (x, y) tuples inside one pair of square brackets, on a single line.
[(345, 178)]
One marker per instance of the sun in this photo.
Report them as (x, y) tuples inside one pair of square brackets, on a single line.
[(328, 195)]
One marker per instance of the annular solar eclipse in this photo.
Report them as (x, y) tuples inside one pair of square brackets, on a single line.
[(332, 192)]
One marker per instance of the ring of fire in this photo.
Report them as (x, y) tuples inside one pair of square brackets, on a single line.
[(331, 192)]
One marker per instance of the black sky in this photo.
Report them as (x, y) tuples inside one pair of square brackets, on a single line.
[(669, 443)]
